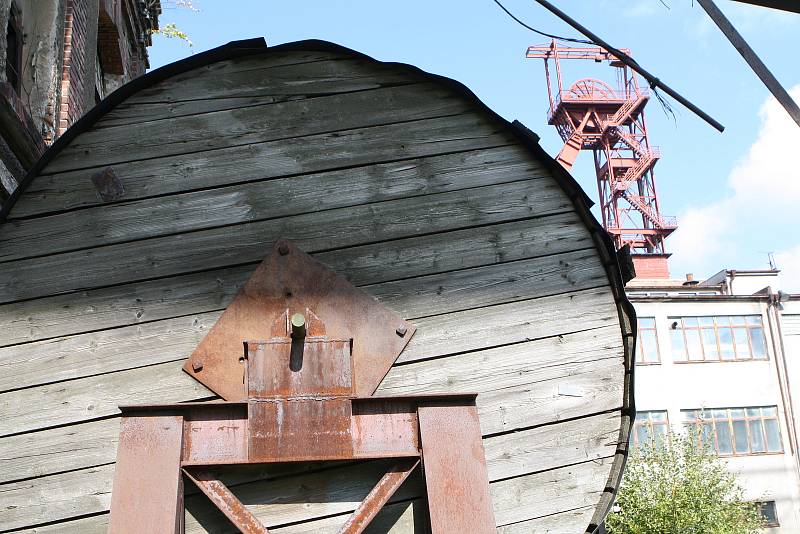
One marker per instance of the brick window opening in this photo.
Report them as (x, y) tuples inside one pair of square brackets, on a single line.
[(722, 338), (646, 341), (14, 49), (736, 431), (652, 425)]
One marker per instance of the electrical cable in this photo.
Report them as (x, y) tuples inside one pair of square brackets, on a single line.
[(545, 34)]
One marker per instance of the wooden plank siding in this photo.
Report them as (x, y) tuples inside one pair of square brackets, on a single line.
[(398, 180)]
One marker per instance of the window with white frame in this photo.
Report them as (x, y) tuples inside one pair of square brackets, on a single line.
[(737, 431), (717, 338), (651, 425), (647, 342)]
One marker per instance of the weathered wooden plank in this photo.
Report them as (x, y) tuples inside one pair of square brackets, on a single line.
[(228, 88), (541, 494), (270, 199), (257, 124), (400, 518), (577, 382), (163, 298), (569, 522), (220, 247), (362, 146), (238, 75), (106, 351)]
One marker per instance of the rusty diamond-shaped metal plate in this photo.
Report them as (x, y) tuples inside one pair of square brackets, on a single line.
[(291, 279)]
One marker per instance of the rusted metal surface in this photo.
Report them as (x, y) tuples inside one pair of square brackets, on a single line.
[(300, 430), (455, 470), (215, 434), (285, 367), (379, 496), (148, 491), (289, 279), (228, 504), (301, 403)]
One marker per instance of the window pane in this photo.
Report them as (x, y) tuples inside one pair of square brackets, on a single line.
[(726, 343), (759, 344), (647, 322), (719, 414), (737, 320), (659, 434), (753, 412), (740, 437), (710, 344), (742, 343), (723, 320), (689, 322), (773, 435), (641, 417), (706, 321), (689, 415), (649, 346), (658, 417), (769, 514), (708, 435), (642, 435), (769, 411), (754, 320), (694, 344), (756, 436), (678, 348), (724, 445), (737, 413)]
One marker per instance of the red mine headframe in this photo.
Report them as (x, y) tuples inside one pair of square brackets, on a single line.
[(591, 115)]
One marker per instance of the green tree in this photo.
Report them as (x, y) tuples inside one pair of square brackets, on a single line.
[(677, 486)]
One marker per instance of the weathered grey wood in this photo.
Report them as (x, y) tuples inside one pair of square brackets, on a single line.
[(219, 247), (270, 199), (229, 89), (361, 146), (99, 395), (267, 72), (313, 495), (236, 127), (111, 307), (400, 518), (502, 410), (106, 351), (569, 522), (546, 493)]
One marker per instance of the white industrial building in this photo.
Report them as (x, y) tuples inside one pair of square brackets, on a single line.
[(724, 354)]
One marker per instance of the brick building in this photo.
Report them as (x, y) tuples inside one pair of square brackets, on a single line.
[(58, 58)]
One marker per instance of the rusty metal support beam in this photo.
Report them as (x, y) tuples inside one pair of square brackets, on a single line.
[(379, 496), (454, 464), (228, 504), (752, 59)]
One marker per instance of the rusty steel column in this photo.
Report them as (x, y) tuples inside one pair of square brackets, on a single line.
[(455, 470), (148, 487)]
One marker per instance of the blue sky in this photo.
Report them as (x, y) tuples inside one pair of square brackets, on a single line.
[(735, 193)]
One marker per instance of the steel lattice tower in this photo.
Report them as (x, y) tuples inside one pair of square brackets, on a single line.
[(591, 115)]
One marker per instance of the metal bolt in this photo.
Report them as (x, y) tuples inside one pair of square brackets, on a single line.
[(197, 366), (298, 326), (401, 330), (283, 249)]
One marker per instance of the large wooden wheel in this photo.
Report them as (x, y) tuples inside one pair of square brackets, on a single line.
[(139, 225)]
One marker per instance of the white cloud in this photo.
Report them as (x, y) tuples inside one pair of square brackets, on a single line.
[(788, 262), (760, 213)]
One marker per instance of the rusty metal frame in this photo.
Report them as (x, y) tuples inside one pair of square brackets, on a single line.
[(301, 401)]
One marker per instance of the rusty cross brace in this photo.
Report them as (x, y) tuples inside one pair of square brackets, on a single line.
[(298, 401)]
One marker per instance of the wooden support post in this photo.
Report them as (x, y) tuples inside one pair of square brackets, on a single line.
[(455, 470), (148, 489)]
